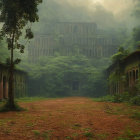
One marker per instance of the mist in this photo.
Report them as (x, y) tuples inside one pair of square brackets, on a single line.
[(74, 74), (107, 14)]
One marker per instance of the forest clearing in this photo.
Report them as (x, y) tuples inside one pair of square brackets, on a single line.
[(70, 70), (74, 118)]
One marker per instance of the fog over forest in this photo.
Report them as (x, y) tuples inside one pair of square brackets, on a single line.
[(58, 74), (69, 54), (70, 70), (106, 13)]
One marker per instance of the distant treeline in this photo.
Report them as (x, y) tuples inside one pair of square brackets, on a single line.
[(67, 76)]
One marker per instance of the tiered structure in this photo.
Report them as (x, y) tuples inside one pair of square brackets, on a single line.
[(73, 39)]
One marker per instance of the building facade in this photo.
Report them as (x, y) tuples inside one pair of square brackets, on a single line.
[(69, 39), (125, 75), (19, 82)]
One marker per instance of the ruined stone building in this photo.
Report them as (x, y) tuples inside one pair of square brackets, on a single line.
[(68, 39), (19, 82), (124, 75)]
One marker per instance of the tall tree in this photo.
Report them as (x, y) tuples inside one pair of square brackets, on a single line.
[(16, 16)]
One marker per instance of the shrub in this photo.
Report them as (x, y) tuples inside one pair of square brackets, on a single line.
[(135, 100), (108, 98), (117, 98), (124, 97)]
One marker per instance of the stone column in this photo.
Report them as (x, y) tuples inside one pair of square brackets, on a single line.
[(1, 90)]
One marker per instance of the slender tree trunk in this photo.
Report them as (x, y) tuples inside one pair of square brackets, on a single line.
[(11, 76)]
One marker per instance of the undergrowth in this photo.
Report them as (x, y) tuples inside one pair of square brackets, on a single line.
[(31, 99), (107, 98), (7, 107), (119, 98)]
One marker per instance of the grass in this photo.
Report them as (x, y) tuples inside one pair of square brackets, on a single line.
[(136, 115), (120, 98), (41, 124), (107, 98), (69, 138), (129, 135), (36, 132), (101, 136), (88, 133), (125, 108), (31, 99), (5, 107), (45, 135), (3, 121)]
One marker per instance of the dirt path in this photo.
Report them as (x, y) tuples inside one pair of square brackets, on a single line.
[(67, 118)]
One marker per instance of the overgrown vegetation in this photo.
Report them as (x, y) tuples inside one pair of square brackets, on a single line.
[(61, 76), (119, 98)]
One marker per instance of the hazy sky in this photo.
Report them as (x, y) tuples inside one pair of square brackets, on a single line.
[(106, 13), (115, 6)]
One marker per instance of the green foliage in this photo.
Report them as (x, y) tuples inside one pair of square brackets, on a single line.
[(107, 98), (66, 76), (120, 54), (117, 98), (4, 53), (15, 15), (69, 138), (88, 133), (136, 37), (135, 100)]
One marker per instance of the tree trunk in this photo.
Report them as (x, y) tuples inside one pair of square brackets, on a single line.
[(11, 87), (11, 77)]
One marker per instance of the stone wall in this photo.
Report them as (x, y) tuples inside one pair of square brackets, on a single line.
[(19, 83), (125, 76)]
